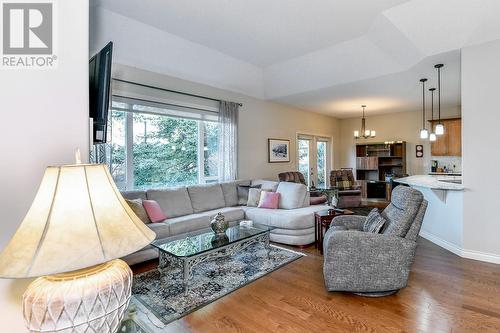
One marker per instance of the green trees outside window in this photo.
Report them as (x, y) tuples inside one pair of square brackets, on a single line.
[(154, 151)]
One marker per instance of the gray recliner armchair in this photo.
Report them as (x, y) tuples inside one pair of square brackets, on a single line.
[(371, 264)]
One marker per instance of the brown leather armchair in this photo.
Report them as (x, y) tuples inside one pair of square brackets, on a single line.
[(297, 177), (348, 190), (292, 177)]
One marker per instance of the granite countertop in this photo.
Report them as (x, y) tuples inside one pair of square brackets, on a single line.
[(458, 173), (432, 182)]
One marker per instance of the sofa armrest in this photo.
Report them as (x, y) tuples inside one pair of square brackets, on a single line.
[(366, 262), (349, 221)]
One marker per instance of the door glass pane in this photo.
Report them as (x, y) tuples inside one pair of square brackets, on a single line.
[(116, 152), (303, 153), (165, 151), (210, 151), (321, 148)]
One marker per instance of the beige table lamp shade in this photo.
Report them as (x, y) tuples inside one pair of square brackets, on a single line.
[(78, 219)]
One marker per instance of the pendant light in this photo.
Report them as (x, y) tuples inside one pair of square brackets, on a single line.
[(439, 127), (432, 136), (365, 133), (423, 132)]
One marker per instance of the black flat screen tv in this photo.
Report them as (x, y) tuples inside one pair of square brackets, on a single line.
[(99, 91)]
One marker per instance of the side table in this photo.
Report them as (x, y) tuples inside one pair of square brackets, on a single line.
[(323, 219)]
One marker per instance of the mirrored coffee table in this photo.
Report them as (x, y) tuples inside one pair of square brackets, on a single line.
[(191, 249)]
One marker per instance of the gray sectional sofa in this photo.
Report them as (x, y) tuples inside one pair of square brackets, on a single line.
[(192, 208)]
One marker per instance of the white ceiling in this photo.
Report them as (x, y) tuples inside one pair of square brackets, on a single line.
[(396, 92), (261, 32), (322, 56)]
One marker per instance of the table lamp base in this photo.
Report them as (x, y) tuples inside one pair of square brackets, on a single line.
[(88, 300)]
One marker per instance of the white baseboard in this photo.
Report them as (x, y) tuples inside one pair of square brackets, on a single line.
[(482, 256), (459, 251), (443, 243)]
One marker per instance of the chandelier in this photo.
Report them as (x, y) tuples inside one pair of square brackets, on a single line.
[(365, 133)]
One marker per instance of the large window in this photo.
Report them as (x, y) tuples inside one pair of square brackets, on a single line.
[(153, 147)]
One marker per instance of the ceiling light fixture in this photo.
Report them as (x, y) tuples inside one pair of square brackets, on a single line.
[(423, 132), (439, 127), (365, 133), (432, 136)]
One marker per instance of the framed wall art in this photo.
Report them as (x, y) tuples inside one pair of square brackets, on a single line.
[(278, 150)]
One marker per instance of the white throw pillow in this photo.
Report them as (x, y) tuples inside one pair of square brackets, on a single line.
[(292, 195), (253, 197)]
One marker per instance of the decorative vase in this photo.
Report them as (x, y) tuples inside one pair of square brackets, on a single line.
[(219, 240), (335, 201), (219, 224)]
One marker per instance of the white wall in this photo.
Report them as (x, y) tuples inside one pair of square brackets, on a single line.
[(44, 118), (258, 121), (394, 126), (443, 221), (481, 152)]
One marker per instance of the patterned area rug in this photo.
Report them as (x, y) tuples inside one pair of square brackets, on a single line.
[(164, 296)]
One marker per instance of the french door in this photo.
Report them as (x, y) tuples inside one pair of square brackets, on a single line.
[(314, 159)]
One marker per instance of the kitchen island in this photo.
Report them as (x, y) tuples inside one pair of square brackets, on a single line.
[(437, 182), (443, 221)]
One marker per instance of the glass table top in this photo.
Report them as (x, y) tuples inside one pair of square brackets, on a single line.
[(197, 242)]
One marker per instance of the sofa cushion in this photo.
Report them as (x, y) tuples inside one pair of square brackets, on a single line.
[(161, 229), (243, 193), (343, 183), (188, 223), (174, 202), (268, 185), (134, 195), (206, 197), (230, 192), (138, 209), (300, 218), (230, 213), (292, 195)]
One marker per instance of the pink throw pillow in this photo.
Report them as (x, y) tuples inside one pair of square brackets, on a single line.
[(269, 200), (153, 210)]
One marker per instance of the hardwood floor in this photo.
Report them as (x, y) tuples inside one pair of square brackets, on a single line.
[(446, 293)]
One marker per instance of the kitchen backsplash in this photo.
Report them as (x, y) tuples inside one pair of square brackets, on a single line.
[(453, 163)]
